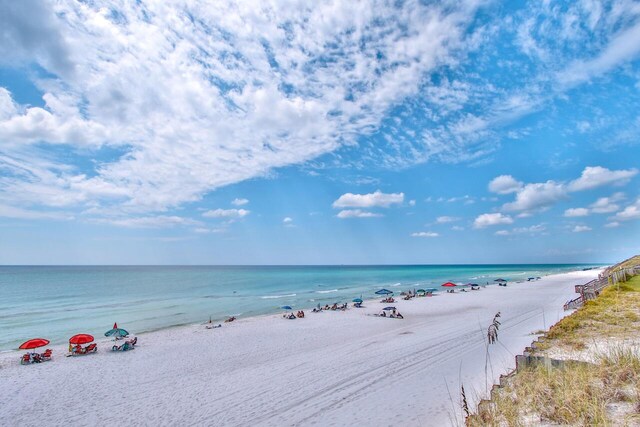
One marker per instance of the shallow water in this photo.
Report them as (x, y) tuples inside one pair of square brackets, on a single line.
[(57, 302)]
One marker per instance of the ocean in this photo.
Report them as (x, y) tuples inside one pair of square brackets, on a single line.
[(56, 302)]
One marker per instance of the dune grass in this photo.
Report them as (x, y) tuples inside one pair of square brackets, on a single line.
[(606, 392)]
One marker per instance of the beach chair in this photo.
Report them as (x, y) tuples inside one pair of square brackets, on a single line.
[(26, 359), (47, 354), (93, 347)]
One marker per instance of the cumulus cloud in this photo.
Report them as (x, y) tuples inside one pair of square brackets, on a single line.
[(597, 176), (226, 213), (356, 213), (504, 184), (288, 221), (576, 212), (612, 224), (540, 196), (490, 219), (630, 212), (537, 196), (607, 204), (239, 202), (372, 200), (581, 228), (425, 234)]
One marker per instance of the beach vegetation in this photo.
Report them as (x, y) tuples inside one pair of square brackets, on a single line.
[(598, 382)]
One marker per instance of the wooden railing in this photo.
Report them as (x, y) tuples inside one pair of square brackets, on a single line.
[(592, 289)]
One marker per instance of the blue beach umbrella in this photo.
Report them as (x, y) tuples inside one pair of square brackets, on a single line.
[(287, 307), (117, 332), (383, 292), (388, 308), (357, 300)]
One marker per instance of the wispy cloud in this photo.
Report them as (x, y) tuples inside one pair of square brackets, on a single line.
[(425, 234), (226, 213), (356, 213)]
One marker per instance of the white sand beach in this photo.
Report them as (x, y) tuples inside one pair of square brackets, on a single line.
[(330, 368)]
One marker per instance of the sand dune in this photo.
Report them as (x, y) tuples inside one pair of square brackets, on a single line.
[(331, 368)]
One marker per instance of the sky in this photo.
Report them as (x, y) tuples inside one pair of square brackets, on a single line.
[(328, 132)]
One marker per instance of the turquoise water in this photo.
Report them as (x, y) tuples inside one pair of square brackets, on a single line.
[(57, 302)]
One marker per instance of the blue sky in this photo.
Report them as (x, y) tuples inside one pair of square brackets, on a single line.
[(287, 132)]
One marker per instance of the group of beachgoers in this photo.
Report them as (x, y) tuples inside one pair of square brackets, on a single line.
[(299, 315), (395, 314), (76, 347), (333, 307)]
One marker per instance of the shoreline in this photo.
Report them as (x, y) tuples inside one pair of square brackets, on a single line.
[(306, 300), (343, 365)]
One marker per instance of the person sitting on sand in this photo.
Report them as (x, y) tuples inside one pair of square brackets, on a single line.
[(326, 307), (302, 313), (230, 319), (77, 349), (334, 306)]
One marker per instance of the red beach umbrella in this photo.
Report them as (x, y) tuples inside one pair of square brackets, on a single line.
[(81, 339), (33, 343), (449, 285)]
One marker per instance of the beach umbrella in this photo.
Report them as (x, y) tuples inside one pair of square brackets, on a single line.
[(472, 284), (431, 289), (81, 339), (287, 307), (422, 291), (357, 300), (117, 332), (388, 308), (383, 292), (33, 343), (499, 280), (449, 285)]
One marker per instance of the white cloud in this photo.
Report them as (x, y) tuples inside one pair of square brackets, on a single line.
[(622, 47), (576, 212), (612, 224), (356, 213), (19, 213), (537, 196), (597, 176), (412, 202), (424, 234), (534, 229), (376, 199), (504, 184), (607, 204), (581, 228), (287, 220), (239, 202), (205, 230), (457, 228), (486, 220), (160, 221), (631, 212), (209, 101), (226, 213), (445, 219)]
